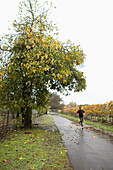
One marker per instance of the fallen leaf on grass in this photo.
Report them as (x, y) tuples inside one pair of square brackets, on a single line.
[(65, 150), (33, 168), (34, 155), (37, 154), (19, 158), (4, 160), (59, 163)]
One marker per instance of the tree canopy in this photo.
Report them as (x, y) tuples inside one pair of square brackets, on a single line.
[(33, 61)]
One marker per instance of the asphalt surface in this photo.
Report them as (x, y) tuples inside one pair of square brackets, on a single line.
[(87, 149)]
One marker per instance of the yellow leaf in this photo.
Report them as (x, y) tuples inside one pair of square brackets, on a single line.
[(28, 30), (28, 47), (65, 150), (35, 25), (46, 56), (34, 70), (53, 74), (34, 155), (20, 158), (1, 73), (4, 47), (6, 145), (93, 136), (52, 61), (64, 81), (31, 33), (59, 163)]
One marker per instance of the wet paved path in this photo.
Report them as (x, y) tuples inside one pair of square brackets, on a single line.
[(88, 149)]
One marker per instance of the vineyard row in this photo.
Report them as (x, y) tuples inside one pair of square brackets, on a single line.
[(98, 112)]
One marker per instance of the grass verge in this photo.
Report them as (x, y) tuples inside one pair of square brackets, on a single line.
[(34, 149), (94, 124), (100, 126)]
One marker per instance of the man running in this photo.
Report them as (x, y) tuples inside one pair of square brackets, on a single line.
[(81, 112)]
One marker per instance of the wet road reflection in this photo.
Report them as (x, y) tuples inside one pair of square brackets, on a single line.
[(88, 149)]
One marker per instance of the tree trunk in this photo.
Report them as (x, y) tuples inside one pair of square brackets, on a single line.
[(26, 111), (7, 116), (26, 117)]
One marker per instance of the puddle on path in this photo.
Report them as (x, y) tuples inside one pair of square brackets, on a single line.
[(99, 132)]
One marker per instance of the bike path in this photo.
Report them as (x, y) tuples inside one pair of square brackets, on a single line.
[(87, 149)]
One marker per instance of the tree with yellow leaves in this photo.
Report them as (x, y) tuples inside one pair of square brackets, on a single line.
[(34, 61)]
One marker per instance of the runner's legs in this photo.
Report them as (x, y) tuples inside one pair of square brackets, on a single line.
[(81, 121)]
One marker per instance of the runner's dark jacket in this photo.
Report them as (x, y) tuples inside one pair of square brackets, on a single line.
[(80, 113)]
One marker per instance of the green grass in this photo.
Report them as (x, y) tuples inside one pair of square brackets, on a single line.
[(34, 149), (94, 124), (45, 119), (100, 126), (1, 117)]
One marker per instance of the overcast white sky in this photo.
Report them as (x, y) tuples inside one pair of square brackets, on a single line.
[(88, 23)]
